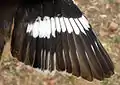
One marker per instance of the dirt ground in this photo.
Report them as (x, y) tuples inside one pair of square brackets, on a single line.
[(104, 15)]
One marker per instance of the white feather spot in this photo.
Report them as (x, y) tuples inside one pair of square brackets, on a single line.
[(80, 26), (35, 29), (53, 26), (41, 28), (68, 25), (75, 28), (84, 22), (84, 18), (58, 24), (45, 28), (62, 24), (48, 29)]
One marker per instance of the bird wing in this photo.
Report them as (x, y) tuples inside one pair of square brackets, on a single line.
[(55, 35)]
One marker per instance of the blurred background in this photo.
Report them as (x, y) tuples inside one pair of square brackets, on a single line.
[(104, 16)]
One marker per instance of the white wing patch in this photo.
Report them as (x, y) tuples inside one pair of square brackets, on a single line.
[(48, 26)]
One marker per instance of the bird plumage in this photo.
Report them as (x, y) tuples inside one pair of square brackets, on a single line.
[(55, 35)]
